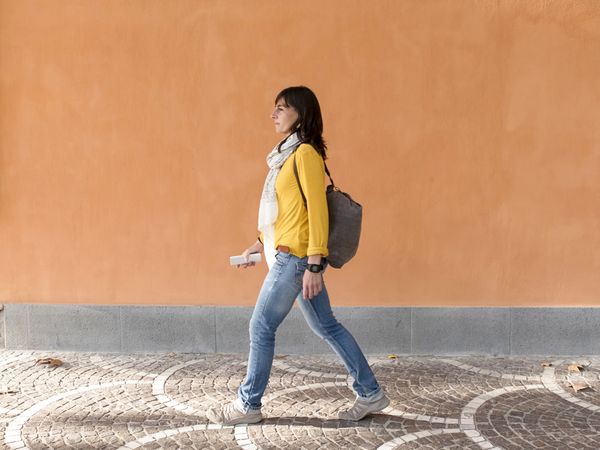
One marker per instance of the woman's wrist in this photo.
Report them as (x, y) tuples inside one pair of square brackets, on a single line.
[(258, 246), (314, 259)]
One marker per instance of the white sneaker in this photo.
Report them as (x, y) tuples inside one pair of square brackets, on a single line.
[(363, 407), (231, 415)]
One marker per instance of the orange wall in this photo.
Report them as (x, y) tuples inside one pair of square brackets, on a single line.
[(133, 136)]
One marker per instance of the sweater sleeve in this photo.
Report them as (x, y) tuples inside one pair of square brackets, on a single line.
[(311, 172)]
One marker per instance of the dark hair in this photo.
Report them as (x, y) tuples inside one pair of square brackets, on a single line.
[(309, 122)]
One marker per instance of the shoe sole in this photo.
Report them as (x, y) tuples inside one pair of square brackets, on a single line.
[(381, 404), (245, 421), (213, 417)]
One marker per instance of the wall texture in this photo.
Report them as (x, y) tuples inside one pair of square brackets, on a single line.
[(133, 136)]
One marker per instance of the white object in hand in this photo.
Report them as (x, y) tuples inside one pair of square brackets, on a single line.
[(239, 259)]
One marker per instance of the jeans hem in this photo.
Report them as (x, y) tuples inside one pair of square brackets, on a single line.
[(371, 394), (248, 407)]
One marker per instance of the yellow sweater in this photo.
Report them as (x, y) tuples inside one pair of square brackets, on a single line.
[(305, 233)]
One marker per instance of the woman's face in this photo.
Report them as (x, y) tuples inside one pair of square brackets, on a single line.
[(284, 117)]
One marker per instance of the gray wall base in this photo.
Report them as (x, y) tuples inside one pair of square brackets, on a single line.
[(202, 329)]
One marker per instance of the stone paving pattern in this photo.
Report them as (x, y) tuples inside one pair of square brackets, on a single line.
[(126, 401)]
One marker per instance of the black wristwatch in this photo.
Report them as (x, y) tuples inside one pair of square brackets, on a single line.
[(315, 268)]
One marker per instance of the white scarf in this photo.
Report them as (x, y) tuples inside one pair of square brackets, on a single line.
[(267, 212)]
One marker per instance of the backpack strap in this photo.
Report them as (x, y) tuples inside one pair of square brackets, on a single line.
[(328, 174)]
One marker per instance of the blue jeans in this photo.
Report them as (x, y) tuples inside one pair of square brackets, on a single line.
[(280, 288)]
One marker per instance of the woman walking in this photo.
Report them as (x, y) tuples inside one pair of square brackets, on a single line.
[(294, 240)]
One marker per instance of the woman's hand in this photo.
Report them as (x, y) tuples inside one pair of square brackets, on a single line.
[(312, 284), (257, 247)]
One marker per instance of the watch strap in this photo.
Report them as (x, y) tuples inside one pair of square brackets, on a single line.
[(315, 268)]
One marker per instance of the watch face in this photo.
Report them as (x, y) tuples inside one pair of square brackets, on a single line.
[(315, 268)]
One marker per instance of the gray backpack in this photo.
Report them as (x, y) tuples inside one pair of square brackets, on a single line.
[(345, 218)]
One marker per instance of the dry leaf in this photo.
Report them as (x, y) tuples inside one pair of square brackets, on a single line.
[(578, 382), (54, 362), (546, 364), (280, 356), (574, 368), (579, 386), (392, 356)]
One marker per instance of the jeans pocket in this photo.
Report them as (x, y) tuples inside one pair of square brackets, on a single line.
[(281, 258)]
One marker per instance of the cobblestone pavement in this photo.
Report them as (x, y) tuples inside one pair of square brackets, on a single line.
[(116, 401)]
